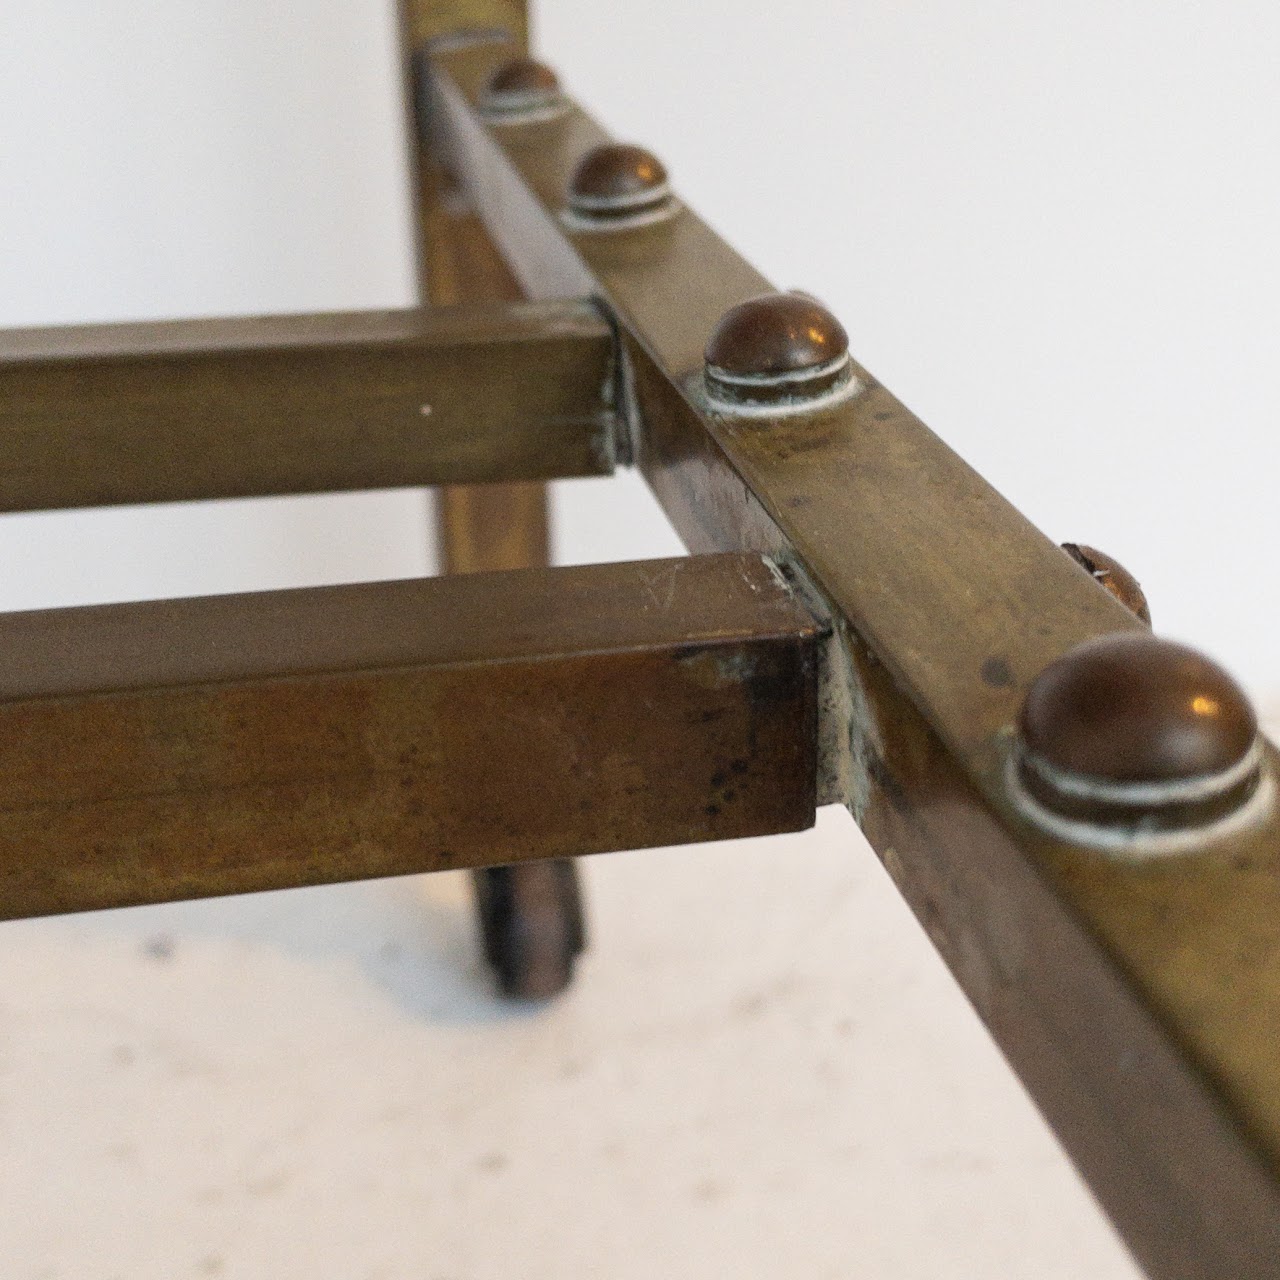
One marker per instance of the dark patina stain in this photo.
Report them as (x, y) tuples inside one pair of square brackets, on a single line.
[(996, 673), (879, 772)]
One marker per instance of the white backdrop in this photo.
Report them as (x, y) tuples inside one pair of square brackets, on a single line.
[(1049, 231)]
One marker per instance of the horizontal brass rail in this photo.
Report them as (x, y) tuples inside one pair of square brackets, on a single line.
[(1139, 1003), (100, 415), (183, 748)]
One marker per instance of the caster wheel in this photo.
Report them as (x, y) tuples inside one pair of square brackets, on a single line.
[(531, 925)]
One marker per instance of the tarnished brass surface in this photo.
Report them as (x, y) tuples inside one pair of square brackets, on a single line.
[(478, 529), (531, 913), (617, 181), (1111, 575), (1136, 709), (1139, 1001), (177, 749), (1088, 974), (775, 333), (426, 19), (484, 528), (107, 414)]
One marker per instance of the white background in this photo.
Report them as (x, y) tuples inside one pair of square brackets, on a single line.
[(1049, 229)]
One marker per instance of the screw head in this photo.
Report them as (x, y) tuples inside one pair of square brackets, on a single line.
[(1129, 736), (618, 185), (522, 90), (1112, 575), (776, 352)]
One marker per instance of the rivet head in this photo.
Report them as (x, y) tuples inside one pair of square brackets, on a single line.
[(522, 90), (776, 352), (1129, 738), (1111, 575), (618, 185)]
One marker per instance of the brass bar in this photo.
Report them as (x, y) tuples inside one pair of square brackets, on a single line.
[(486, 528), (497, 526), (106, 414), (490, 527), (185, 748), (531, 914), (427, 19), (1139, 1002)]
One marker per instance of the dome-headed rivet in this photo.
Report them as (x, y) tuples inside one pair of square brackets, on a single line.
[(521, 91), (776, 353), (618, 185), (1111, 575), (1136, 742)]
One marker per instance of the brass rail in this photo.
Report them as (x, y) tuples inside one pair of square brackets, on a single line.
[(192, 409), (176, 749), (1139, 1000), (183, 748)]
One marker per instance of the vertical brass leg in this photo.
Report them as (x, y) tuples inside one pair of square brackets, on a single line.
[(530, 915), (492, 526)]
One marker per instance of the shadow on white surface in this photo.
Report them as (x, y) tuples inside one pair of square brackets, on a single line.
[(762, 1071), (412, 938)]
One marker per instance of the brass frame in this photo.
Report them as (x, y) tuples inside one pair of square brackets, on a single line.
[(196, 409), (865, 637), (1139, 1003), (183, 748)]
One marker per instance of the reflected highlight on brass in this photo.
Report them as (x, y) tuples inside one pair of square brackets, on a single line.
[(775, 352), (1129, 739), (617, 186)]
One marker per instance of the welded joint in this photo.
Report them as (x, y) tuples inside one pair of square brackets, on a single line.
[(622, 420), (848, 742), (787, 353)]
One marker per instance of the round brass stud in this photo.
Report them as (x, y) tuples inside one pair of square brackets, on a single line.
[(1112, 575), (616, 186), (775, 353), (521, 91), (1136, 742)]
